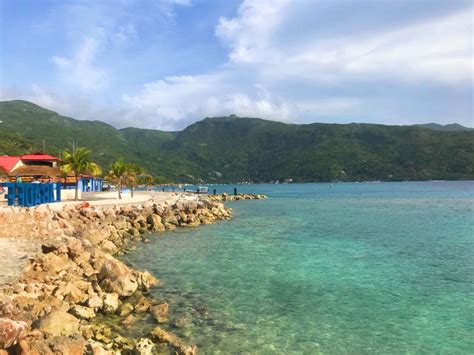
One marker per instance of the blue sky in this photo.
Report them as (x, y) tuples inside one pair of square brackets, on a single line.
[(165, 64)]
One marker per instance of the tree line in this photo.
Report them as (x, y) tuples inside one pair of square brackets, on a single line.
[(79, 162)]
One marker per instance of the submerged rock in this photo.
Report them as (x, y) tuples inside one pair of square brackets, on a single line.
[(129, 320), (125, 310), (172, 340), (144, 346), (183, 322), (142, 305), (160, 312)]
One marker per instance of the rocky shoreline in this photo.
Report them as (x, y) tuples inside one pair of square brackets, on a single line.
[(238, 197), (68, 289)]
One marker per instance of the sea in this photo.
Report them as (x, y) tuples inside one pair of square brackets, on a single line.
[(344, 268)]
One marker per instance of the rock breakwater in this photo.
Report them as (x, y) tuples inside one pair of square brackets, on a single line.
[(66, 291), (238, 197)]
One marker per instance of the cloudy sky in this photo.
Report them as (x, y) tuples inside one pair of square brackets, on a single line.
[(165, 64)]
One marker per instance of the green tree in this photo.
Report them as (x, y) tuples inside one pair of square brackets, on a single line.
[(79, 162), (117, 174), (132, 173), (146, 179)]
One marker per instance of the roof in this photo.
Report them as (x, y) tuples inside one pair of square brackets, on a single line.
[(8, 163), (38, 156), (88, 176), (37, 170)]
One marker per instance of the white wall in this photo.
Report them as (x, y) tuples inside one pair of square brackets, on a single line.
[(68, 194)]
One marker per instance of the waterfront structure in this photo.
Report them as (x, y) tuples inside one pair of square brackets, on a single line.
[(8, 163), (29, 195), (40, 159), (89, 183), (44, 168), (32, 167)]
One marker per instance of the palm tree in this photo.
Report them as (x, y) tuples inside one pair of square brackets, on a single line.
[(79, 162), (131, 176), (146, 179), (117, 174)]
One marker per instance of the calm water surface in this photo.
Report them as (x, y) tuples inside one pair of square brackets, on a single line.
[(353, 269)]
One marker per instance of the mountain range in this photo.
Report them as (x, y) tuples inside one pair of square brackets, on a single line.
[(233, 149)]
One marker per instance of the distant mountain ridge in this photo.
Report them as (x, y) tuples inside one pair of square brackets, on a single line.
[(230, 149), (447, 127)]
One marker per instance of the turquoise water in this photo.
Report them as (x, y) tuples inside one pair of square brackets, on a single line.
[(357, 268)]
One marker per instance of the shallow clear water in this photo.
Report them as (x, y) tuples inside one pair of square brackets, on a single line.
[(357, 268)]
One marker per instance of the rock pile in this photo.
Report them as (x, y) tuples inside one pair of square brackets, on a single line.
[(53, 308), (238, 197)]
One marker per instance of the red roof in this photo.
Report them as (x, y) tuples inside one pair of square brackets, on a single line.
[(8, 163), (38, 157)]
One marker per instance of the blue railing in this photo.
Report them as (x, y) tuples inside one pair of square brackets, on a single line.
[(31, 194)]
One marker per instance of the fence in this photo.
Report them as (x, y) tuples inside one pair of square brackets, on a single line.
[(31, 194)]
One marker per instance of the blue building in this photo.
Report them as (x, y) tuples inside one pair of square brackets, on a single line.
[(90, 184)]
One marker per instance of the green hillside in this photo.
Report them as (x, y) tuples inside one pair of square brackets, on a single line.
[(36, 124), (248, 149), (447, 127), (259, 150)]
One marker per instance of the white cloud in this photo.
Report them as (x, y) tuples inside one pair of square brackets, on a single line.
[(438, 49), (178, 99), (249, 35), (81, 69), (95, 29), (263, 59), (329, 106), (175, 101), (281, 65), (73, 105)]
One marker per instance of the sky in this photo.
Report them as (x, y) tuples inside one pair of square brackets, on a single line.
[(165, 64)]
